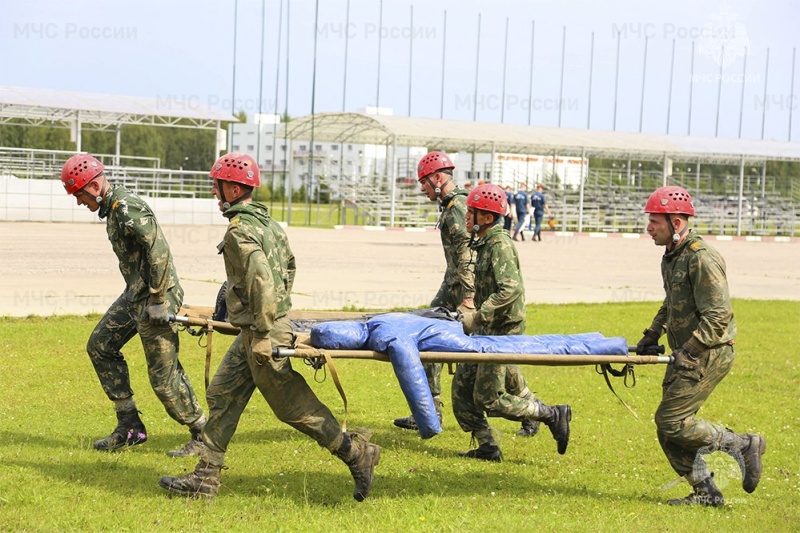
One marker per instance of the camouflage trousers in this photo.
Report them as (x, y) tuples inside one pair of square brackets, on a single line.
[(450, 297), (680, 433), (514, 381), (481, 389), (122, 321), (286, 393)]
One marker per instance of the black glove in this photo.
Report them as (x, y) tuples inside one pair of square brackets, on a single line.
[(158, 313), (684, 359), (649, 340)]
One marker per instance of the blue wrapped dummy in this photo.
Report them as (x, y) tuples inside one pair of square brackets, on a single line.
[(403, 336)]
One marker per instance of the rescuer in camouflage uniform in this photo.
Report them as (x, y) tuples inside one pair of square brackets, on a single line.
[(698, 319), (260, 269), (435, 175), (152, 290), (480, 388)]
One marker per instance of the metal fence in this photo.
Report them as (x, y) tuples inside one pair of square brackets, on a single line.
[(611, 202), (611, 199)]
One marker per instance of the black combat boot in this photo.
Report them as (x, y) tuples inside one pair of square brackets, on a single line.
[(406, 423), (204, 481), (557, 418), (410, 423), (361, 457), (486, 451), (193, 447), (747, 450), (130, 431), (529, 428), (703, 493)]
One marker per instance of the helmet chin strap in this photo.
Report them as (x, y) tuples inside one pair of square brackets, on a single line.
[(438, 190), (226, 204), (476, 228), (221, 191), (676, 237), (101, 197)]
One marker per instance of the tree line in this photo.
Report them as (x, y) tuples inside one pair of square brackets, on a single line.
[(187, 148)]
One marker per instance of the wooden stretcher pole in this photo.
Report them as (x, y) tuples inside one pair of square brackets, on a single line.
[(444, 357), (498, 358), (222, 327)]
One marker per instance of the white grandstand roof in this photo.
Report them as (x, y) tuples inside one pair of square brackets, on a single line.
[(37, 106), (455, 135)]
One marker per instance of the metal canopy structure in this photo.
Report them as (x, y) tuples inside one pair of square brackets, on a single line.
[(487, 137), (36, 107)]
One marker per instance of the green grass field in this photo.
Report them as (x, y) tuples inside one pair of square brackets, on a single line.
[(52, 409)]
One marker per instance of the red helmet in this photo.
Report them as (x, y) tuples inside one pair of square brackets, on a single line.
[(79, 170), (238, 168), (433, 162), (488, 197), (670, 200)]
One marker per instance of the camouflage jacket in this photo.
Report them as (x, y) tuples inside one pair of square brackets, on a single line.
[(696, 313), (455, 241), (145, 260), (260, 267), (499, 291)]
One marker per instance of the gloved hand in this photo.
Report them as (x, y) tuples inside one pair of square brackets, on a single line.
[(158, 313), (468, 322), (649, 340), (684, 360), (467, 306), (262, 349)]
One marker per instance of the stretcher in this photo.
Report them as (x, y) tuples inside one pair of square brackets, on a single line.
[(407, 340)]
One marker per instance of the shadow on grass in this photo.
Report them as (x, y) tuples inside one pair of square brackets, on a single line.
[(126, 473)]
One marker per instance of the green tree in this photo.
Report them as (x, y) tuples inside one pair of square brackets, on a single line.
[(47, 138)]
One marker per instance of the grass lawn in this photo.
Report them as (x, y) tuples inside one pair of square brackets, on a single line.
[(52, 409)]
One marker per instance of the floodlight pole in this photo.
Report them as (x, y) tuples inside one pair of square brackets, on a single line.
[(444, 56), (719, 89), (591, 71), (117, 143), (671, 74), (616, 81), (641, 104), (741, 98), (691, 87), (764, 101), (581, 190), (505, 65), (561, 85), (393, 175), (791, 97), (741, 193), (261, 83), (78, 144), (233, 80)]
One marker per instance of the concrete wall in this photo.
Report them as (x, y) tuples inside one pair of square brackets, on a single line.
[(38, 200)]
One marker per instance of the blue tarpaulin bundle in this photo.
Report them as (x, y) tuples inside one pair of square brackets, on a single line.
[(403, 336)]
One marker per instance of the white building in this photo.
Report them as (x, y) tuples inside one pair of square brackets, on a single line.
[(262, 137), (511, 169)]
